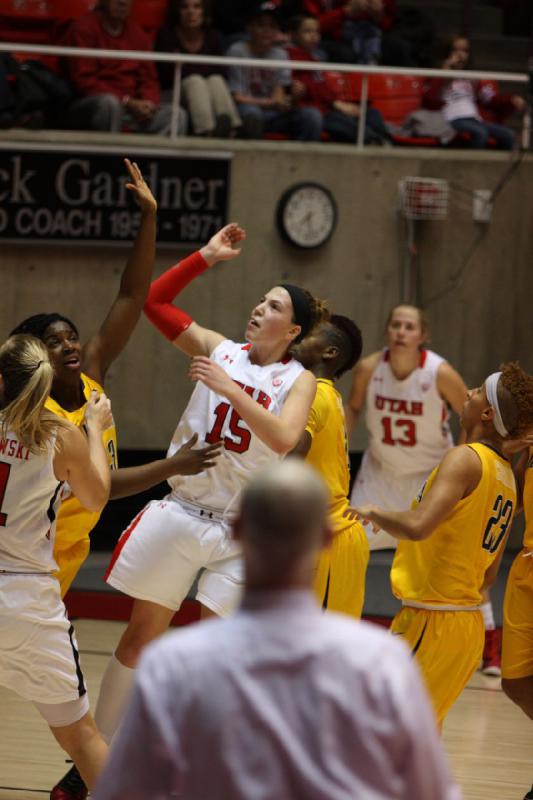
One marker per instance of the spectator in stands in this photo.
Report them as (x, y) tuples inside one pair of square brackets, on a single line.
[(205, 91), (279, 700), (461, 99), (352, 30), (115, 93), (340, 118), (263, 95)]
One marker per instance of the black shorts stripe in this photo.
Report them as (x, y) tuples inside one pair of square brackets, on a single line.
[(417, 645), (82, 689)]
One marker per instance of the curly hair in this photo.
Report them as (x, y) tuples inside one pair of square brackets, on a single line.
[(515, 396)]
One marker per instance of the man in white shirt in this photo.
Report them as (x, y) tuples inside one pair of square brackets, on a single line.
[(280, 700)]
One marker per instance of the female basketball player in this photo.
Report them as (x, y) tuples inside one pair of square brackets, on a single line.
[(254, 399), (407, 390), (455, 536), (332, 348), (38, 650), (80, 370)]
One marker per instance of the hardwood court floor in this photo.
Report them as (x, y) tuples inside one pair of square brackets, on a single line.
[(488, 740)]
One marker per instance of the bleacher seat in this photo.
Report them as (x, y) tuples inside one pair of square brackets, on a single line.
[(149, 14)]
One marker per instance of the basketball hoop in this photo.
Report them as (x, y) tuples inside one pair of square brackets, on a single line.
[(423, 198)]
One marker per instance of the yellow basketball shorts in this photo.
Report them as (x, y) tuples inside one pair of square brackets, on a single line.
[(448, 646), (69, 556), (341, 569), (517, 641)]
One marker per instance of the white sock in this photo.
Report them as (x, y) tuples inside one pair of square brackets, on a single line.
[(488, 616), (114, 693)]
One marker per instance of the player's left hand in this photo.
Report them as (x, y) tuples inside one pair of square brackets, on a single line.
[(363, 514), (223, 245), (140, 188), (210, 374)]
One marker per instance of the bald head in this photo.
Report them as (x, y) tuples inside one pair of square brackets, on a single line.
[(284, 511)]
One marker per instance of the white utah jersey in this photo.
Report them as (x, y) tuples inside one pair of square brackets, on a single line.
[(210, 416), (407, 419), (29, 496)]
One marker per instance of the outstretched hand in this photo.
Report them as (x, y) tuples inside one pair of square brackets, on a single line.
[(222, 246), (363, 514), (211, 375), (188, 461), (140, 189)]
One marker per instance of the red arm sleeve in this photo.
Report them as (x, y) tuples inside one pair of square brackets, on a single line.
[(168, 319)]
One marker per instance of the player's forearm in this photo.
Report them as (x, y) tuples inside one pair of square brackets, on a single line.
[(277, 434), (135, 281), (127, 481), (100, 479), (401, 524), (168, 319)]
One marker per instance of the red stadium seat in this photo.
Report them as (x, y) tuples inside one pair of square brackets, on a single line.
[(71, 9), (149, 14), (395, 96)]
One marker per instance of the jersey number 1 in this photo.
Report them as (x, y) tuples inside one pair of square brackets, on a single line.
[(243, 436), (5, 469)]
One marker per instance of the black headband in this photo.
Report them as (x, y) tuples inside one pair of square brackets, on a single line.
[(303, 313)]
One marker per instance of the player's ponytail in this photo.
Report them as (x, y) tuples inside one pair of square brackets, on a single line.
[(26, 380)]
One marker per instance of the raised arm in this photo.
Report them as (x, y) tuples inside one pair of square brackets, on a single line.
[(107, 344), (176, 325), (281, 433), (82, 460), (361, 376), (457, 477)]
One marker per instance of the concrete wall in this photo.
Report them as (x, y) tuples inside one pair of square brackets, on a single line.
[(476, 325)]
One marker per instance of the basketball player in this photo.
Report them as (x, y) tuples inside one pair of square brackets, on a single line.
[(332, 348), (407, 390), (254, 399), (80, 370), (517, 647), (454, 536), (39, 658)]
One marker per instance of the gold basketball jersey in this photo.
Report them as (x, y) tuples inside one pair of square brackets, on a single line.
[(74, 522), (448, 568), (528, 501)]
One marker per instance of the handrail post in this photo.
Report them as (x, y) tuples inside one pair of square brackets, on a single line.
[(176, 93), (362, 113)]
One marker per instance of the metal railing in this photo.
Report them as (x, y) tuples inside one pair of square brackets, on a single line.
[(178, 59)]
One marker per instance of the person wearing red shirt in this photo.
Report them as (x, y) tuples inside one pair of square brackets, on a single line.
[(340, 118), (115, 93)]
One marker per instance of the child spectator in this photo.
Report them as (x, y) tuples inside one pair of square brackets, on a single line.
[(205, 91), (352, 30), (262, 94), (114, 93), (459, 99), (340, 118)]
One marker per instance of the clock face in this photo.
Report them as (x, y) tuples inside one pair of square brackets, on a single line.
[(307, 215)]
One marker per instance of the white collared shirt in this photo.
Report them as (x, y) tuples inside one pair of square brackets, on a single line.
[(279, 701)]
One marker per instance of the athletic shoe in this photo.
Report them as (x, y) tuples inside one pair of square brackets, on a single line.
[(492, 659), (529, 795), (70, 787)]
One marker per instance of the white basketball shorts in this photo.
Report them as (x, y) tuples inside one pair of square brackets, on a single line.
[(39, 657), (387, 490), (159, 555)]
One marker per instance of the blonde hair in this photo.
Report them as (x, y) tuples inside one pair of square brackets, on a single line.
[(27, 379)]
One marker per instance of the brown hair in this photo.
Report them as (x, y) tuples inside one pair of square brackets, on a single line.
[(174, 9), (319, 313), (515, 397), (27, 379)]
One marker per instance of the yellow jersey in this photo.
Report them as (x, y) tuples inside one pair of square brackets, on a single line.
[(528, 501), (448, 568), (329, 449), (74, 522)]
